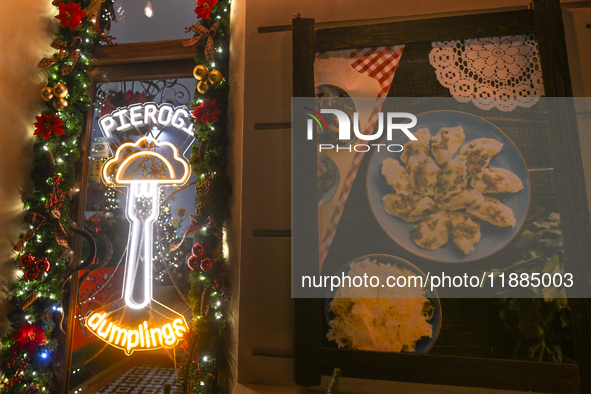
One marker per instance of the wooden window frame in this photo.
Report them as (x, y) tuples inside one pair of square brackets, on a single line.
[(123, 62), (545, 20)]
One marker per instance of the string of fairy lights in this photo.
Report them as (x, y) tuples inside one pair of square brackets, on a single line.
[(111, 202), (30, 346), (166, 236), (204, 349)]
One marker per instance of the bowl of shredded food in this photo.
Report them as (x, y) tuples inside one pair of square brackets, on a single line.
[(405, 317)]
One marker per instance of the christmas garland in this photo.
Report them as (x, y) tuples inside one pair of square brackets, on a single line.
[(205, 353), (30, 346)]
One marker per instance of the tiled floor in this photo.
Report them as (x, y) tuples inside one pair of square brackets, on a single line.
[(143, 379)]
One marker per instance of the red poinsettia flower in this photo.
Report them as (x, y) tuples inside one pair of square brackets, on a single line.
[(207, 112), (46, 124), (28, 337), (204, 8), (70, 15), (134, 98)]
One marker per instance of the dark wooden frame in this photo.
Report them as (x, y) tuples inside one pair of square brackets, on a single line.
[(312, 360), (124, 62)]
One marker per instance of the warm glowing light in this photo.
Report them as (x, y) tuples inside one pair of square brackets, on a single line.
[(225, 249), (148, 10), (134, 339), (127, 161)]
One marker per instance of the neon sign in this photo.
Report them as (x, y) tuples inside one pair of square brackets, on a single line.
[(144, 336), (141, 229), (169, 168), (138, 115)]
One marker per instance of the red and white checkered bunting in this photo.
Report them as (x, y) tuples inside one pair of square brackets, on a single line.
[(379, 63)]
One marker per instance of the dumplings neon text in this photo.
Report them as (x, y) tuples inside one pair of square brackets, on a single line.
[(140, 338)]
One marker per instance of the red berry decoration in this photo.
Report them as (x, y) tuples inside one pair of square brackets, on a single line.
[(206, 264), (193, 262), (198, 250), (43, 265), (27, 260), (31, 274)]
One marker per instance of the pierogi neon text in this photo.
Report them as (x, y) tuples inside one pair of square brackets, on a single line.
[(138, 115)]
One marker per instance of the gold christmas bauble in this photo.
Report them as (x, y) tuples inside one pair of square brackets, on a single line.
[(60, 90), (60, 103), (203, 87), (47, 93), (215, 77), (200, 72)]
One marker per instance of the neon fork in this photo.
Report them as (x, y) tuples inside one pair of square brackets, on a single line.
[(139, 248)]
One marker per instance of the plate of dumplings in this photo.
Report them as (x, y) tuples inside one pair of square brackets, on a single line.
[(459, 193)]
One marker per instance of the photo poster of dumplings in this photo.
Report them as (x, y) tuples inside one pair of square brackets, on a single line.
[(474, 193), (348, 75)]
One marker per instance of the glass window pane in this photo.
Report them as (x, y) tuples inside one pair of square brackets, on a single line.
[(153, 20), (157, 189)]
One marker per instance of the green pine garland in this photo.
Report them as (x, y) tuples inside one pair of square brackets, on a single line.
[(203, 361), (205, 356), (55, 155)]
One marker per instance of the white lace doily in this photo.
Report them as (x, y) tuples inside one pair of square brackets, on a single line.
[(499, 72)]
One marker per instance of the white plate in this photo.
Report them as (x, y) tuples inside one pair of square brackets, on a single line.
[(492, 238)]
